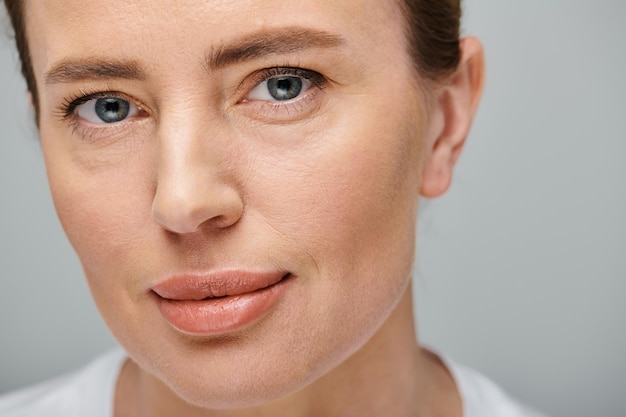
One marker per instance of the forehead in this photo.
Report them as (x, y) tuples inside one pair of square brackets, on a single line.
[(179, 28)]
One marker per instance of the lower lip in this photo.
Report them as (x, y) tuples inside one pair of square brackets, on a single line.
[(219, 316)]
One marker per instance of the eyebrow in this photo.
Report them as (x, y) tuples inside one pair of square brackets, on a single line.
[(254, 46), (271, 42), (69, 70)]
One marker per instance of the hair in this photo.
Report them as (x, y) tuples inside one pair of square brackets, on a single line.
[(16, 14), (432, 26)]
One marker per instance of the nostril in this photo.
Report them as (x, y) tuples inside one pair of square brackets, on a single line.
[(221, 222)]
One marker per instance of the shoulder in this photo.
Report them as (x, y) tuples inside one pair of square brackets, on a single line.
[(88, 391), (483, 398)]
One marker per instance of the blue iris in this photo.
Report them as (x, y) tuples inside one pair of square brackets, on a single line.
[(112, 110), (284, 88)]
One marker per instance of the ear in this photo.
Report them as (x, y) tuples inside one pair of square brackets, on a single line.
[(452, 114)]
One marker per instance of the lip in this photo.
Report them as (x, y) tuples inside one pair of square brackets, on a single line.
[(218, 303)]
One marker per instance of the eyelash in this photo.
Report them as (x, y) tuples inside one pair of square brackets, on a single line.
[(67, 109), (66, 112), (279, 109), (317, 79)]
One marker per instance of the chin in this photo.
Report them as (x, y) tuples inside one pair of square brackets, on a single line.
[(237, 397), (239, 389), (240, 372), (234, 372)]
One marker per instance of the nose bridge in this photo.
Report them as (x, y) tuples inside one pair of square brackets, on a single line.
[(195, 181)]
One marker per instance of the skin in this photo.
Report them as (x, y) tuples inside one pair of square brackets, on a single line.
[(207, 177)]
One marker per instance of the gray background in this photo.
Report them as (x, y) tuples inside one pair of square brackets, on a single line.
[(520, 266)]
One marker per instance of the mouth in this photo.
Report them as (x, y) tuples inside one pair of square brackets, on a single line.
[(219, 297), (219, 303), (216, 285)]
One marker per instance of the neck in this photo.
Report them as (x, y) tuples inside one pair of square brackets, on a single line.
[(389, 375)]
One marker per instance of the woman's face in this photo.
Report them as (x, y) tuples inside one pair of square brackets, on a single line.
[(214, 148)]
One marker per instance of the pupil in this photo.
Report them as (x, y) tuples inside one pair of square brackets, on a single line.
[(112, 110), (284, 88)]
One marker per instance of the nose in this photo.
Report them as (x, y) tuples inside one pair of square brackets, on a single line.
[(196, 188)]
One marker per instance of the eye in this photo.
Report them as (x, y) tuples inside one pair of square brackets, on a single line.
[(107, 110), (280, 88)]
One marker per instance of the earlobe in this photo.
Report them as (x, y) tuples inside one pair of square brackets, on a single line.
[(451, 118)]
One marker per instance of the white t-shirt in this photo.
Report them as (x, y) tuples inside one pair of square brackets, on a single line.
[(90, 392), (481, 397)]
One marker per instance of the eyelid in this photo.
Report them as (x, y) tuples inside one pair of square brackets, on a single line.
[(88, 131), (316, 79), (67, 109), (284, 111)]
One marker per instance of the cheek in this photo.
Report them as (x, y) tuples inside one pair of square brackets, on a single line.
[(105, 215), (353, 190), (102, 209), (349, 201)]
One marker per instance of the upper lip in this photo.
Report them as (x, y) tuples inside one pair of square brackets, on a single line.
[(215, 284)]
